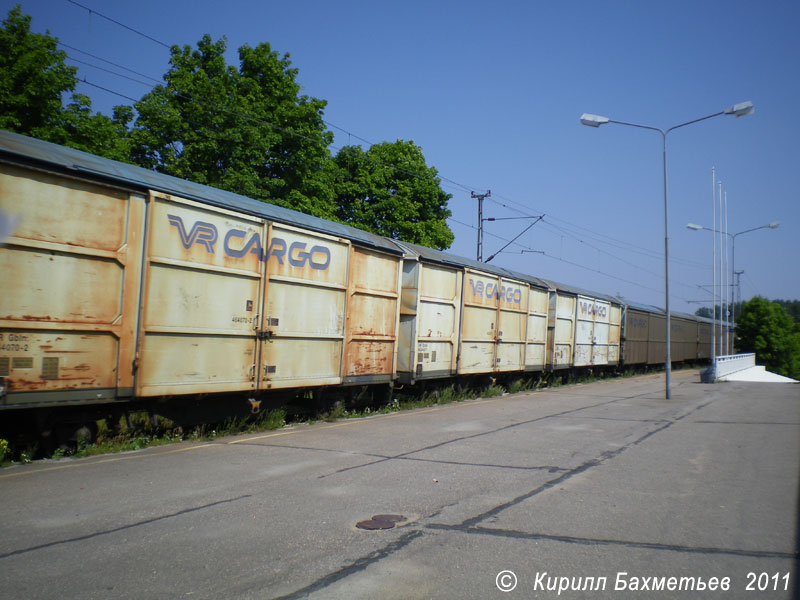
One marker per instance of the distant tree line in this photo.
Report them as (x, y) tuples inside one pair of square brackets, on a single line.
[(244, 129), (771, 330)]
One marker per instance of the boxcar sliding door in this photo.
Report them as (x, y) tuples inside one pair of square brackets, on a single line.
[(203, 274), (303, 318)]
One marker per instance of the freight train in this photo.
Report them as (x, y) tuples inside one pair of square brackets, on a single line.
[(123, 286)]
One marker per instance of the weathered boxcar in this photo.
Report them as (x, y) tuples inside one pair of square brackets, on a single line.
[(635, 333), (124, 283), (461, 317), (584, 328)]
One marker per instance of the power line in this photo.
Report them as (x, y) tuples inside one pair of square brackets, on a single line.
[(77, 60), (136, 31), (569, 262), (124, 68)]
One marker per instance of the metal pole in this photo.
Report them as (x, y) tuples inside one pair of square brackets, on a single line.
[(733, 296), (480, 198), (714, 266), (727, 285), (668, 358), (721, 271), (480, 228)]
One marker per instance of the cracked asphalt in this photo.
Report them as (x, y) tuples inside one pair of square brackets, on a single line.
[(579, 483)]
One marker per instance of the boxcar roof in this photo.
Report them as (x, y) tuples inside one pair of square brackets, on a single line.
[(443, 258), (643, 307), (32, 151), (571, 289)]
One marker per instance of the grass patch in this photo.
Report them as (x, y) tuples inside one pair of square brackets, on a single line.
[(141, 430)]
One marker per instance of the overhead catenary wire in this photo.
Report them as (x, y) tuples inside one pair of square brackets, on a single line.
[(136, 31), (572, 263)]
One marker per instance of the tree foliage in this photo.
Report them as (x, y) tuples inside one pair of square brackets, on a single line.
[(792, 307), (33, 77), (390, 190), (246, 130), (33, 81), (765, 328)]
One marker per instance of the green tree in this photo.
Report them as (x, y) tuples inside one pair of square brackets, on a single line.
[(390, 190), (765, 328), (245, 130), (703, 311), (792, 307), (33, 81), (97, 134), (33, 77)]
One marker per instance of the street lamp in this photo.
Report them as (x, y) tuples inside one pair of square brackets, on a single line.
[(739, 110), (732, 236)]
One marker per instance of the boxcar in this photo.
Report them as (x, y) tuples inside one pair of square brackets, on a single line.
[(585, 328), (122, 282), (462, 317), (635, 333)]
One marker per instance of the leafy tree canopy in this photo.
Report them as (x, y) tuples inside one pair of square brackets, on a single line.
[(390, 190), (246, 130), (33, 76), (33, 80), (765, 328)]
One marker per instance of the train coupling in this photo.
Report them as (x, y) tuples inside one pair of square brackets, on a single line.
[(255, 406)]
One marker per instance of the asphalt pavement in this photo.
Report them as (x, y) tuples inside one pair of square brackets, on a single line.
[(600, 490)]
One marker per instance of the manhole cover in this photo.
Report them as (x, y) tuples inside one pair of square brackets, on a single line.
[(381, 522), (390, 518)]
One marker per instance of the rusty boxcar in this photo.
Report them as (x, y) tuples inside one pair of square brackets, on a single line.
[(462, 317), (585, 328), (127, 283)]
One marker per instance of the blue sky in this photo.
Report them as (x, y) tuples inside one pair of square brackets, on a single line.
[(493, 95)]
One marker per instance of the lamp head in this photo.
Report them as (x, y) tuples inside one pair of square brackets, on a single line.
[(774, 225), (593, 120), (740, 110), (694, 227)]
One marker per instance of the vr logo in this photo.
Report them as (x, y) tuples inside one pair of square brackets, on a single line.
[(205, 234), (202, 233)]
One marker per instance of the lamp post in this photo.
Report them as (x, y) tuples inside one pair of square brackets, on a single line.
[(733, 236), (739, 110)]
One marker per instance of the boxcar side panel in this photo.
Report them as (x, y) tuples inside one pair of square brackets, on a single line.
[(636, 335), (563, 330), (372, 316), (535, 355), (614, 333), (479, 323), (430, 315), (512, 325), (67, 330), (304, 309), (200, 300), (656, 341)]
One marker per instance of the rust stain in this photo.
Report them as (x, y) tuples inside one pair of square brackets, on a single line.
[(33, 318)]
